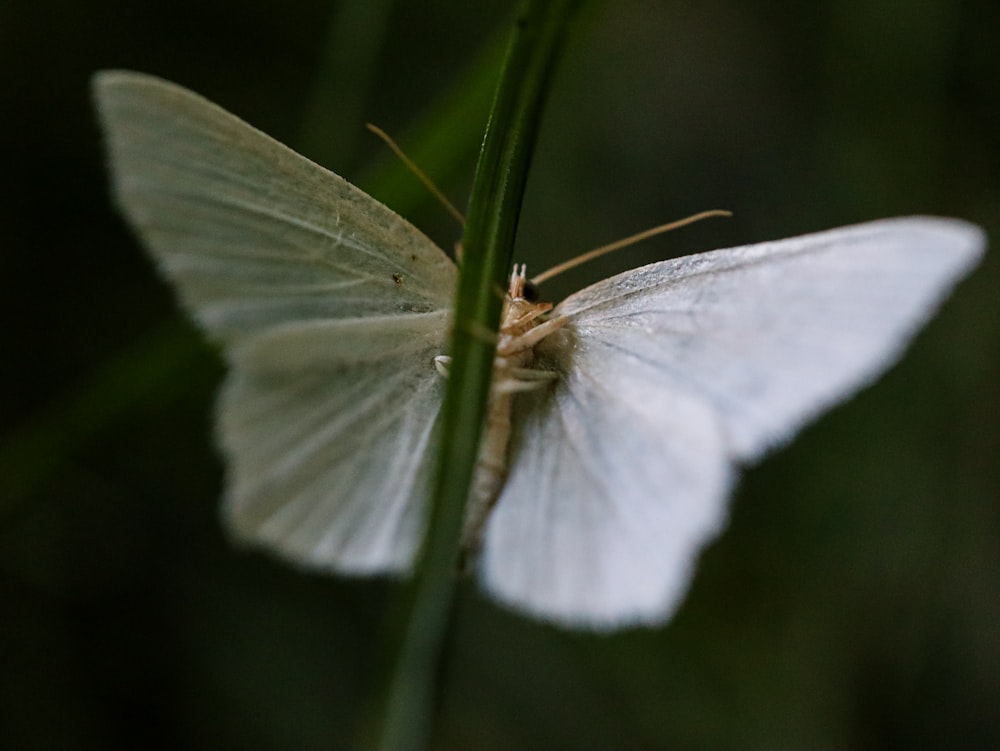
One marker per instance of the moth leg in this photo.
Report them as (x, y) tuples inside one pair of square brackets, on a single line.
[(524, 379), (530, 338), (530, 374)]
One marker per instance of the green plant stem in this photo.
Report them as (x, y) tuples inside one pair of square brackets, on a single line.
[(491, 225)]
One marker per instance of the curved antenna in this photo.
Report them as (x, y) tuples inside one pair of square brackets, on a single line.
[(631, 240), (420, 174)]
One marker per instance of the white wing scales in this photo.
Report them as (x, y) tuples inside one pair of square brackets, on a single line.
[(673, 372), (772, 334), (595, 526), (330, 307)]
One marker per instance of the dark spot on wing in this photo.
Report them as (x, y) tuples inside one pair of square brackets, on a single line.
[(398, 279)]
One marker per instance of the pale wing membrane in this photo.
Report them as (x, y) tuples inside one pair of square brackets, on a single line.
[(772, 334), (673, 372), (615, 482), (330, 307), (252, 233), (329, 455)]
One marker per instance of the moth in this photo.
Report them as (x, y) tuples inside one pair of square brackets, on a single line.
[(626, 409)]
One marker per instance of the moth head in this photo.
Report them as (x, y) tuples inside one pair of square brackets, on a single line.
[(521, 303)]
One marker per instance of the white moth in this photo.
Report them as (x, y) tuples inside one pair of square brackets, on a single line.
[(630, 404)]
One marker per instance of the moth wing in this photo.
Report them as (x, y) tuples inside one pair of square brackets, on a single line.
[(673, 372), (773, 334), (329, 307), (252, 234), (330, 428), (615, 481)]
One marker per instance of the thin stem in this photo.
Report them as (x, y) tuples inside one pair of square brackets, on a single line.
[(492, 221)]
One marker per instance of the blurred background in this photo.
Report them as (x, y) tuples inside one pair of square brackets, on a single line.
[(853, 601)]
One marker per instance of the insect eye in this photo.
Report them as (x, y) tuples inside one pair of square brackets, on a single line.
[(530, 292)]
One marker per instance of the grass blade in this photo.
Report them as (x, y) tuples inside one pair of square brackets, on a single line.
[(492, 222)]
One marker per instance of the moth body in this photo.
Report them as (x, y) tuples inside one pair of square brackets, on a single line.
[(522, 326)]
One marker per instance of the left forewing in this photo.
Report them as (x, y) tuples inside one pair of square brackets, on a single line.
[(772, 334)]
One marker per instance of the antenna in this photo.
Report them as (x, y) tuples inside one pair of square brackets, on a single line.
[(631, 240), (420, 174)]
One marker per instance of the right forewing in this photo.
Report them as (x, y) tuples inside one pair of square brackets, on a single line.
[(253, 234)]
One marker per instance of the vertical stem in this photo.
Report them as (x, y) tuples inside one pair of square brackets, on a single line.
[(492, 222)]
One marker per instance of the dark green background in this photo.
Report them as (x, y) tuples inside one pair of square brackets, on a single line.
[(853, 602)]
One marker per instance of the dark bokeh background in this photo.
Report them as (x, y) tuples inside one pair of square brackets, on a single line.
[(853, 602)]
